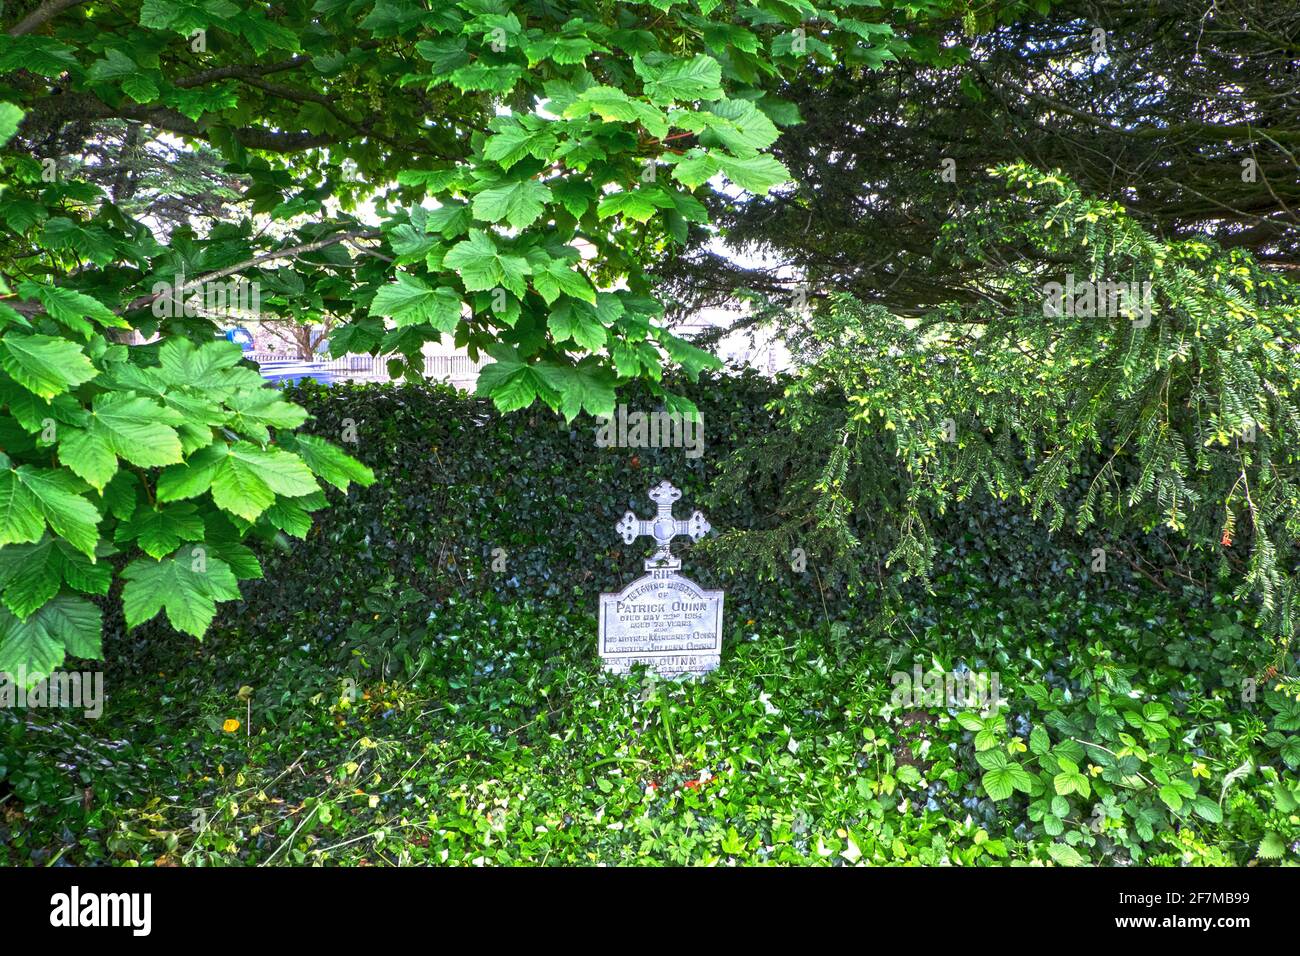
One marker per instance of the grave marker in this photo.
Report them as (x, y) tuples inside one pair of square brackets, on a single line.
[(662, 620)]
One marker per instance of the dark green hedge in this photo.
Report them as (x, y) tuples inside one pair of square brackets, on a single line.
[(458, 480)]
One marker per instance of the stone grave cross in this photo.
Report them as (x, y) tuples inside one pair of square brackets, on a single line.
[(663, 527), (662, 620)]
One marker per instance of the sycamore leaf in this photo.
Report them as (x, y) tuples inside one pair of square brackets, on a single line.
[(409, 301), (248, 479), (30, 574), (510, 382), (71, 308), (482, 266), (43, 364), (557, 278), (125, 426), (695, 170), (519, 203), (330, 464), (582, 387), (187, 587), (638, 204), (577, 321), (21, 520), (56, 497), (757, 174), (699, 78), (65, 625), (613, 105), (160, 531)]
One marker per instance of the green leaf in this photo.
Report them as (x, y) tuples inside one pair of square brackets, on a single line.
[(483, 267), (1039, 742), (558, 278), (160, 531), (66, 625), (699, 78), (757, 175), (121, 426), (57, 496), (1070, 780), (695, 170), (577, 321), (21, 520), (1065, 854), (518, 203), (10, 117), (248, 479), (639, 204), (330, 464), (43, 364), (409, 301), (613, 105), (187, 585), (1271, 847), (584, 387), (509, 381), (195, 476)]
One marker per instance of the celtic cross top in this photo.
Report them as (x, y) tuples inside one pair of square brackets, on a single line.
[(663, 527)]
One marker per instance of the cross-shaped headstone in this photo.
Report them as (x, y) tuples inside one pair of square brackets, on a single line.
[(663, 527)]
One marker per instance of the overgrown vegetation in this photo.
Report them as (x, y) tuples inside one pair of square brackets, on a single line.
[(408, 704)]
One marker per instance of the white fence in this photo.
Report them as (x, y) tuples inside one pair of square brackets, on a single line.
[(458, 369)]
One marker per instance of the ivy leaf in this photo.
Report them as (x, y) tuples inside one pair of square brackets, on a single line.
[(189, 589)]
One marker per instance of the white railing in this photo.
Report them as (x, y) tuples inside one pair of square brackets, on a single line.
[(460, 369)]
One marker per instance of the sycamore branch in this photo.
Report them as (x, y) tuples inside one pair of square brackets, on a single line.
[(46, 11)]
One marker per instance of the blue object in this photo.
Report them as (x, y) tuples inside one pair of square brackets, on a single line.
[(241, 337)]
